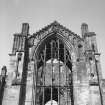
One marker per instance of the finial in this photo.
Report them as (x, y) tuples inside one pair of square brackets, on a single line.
[(25, 29), (84, 29)]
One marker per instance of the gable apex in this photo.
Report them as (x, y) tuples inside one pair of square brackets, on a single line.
[(55, 22), (56, 27)]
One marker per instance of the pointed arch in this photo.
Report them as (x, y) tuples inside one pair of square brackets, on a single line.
[(54, 47), (65, 40)]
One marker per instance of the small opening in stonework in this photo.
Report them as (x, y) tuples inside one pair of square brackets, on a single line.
[(90, 58), (93, 47), (79, 46), (78, 59), (92, 75)]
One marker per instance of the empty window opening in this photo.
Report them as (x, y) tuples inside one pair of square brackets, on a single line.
[(54, 84)]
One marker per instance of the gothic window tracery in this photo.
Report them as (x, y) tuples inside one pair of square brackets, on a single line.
[(54, 73)]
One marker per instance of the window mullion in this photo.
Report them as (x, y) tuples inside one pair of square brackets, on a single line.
[(44, 75), (36, 75), (51, 69), (66, 72), (59, 73)]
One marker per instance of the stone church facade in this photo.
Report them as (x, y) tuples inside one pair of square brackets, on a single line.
[(53, 66)]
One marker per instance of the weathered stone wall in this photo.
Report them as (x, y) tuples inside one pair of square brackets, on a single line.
[(86, 84), (11, 95), (12, 87), (103, 90), (29, 86)]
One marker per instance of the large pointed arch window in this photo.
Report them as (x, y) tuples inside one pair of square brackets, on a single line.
[(53, 74)]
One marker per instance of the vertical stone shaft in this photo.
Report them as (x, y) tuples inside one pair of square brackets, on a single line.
[(84, 29), (25, 30)]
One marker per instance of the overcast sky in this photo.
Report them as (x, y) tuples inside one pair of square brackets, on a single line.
[(39, 13)]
